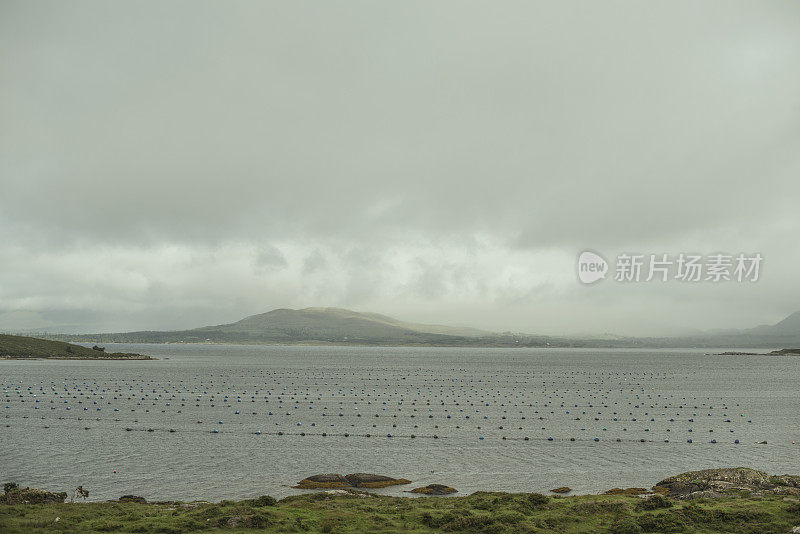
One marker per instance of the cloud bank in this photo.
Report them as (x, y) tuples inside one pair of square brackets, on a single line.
[(173, 165)]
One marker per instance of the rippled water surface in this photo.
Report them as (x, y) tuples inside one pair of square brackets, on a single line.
[(333, 409)]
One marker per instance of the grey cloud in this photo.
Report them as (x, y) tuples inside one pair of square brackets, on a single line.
[(314, 262), (354, 137), (270, 257)]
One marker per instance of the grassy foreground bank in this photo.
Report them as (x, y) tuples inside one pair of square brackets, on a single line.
[(363, 512)]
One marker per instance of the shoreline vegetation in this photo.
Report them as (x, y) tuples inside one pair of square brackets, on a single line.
[(29, 348), (714, 500)]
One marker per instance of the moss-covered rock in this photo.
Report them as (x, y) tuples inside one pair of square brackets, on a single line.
[(132, 498), (354, 480), (16, 495), (715, 483), (326, 481), (368, 480), (435, 489)]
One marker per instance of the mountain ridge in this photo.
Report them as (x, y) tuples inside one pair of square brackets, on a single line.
[(315, 325), (305, 325)]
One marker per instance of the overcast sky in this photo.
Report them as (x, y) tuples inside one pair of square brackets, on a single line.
[(175, 164)]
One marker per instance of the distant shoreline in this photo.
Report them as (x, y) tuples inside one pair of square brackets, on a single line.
[(783, 351), (32, 348), (110, 357), (341, 327)]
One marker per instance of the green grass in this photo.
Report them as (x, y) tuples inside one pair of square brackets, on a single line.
[(479, 512), (31, 347)]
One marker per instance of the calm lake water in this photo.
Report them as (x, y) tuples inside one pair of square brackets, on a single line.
[(75, 422)]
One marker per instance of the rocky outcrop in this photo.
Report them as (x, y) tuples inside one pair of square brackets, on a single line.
[(327, 481), (354, 480), (715, 483), (13, 494), (132, 498), (435, 489), (367, 480)]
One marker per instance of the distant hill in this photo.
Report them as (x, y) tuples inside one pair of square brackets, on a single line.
[(21, 347), (788, 327), (308, 325), (334, 323), (785, 333)]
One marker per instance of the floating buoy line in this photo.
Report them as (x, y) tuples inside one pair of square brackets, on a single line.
[(468, 405)]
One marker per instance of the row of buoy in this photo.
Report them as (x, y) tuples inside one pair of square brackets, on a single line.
[(457, 427), (615, 416), (313, 424), (407, 395), (464, 401), (410, 436)]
